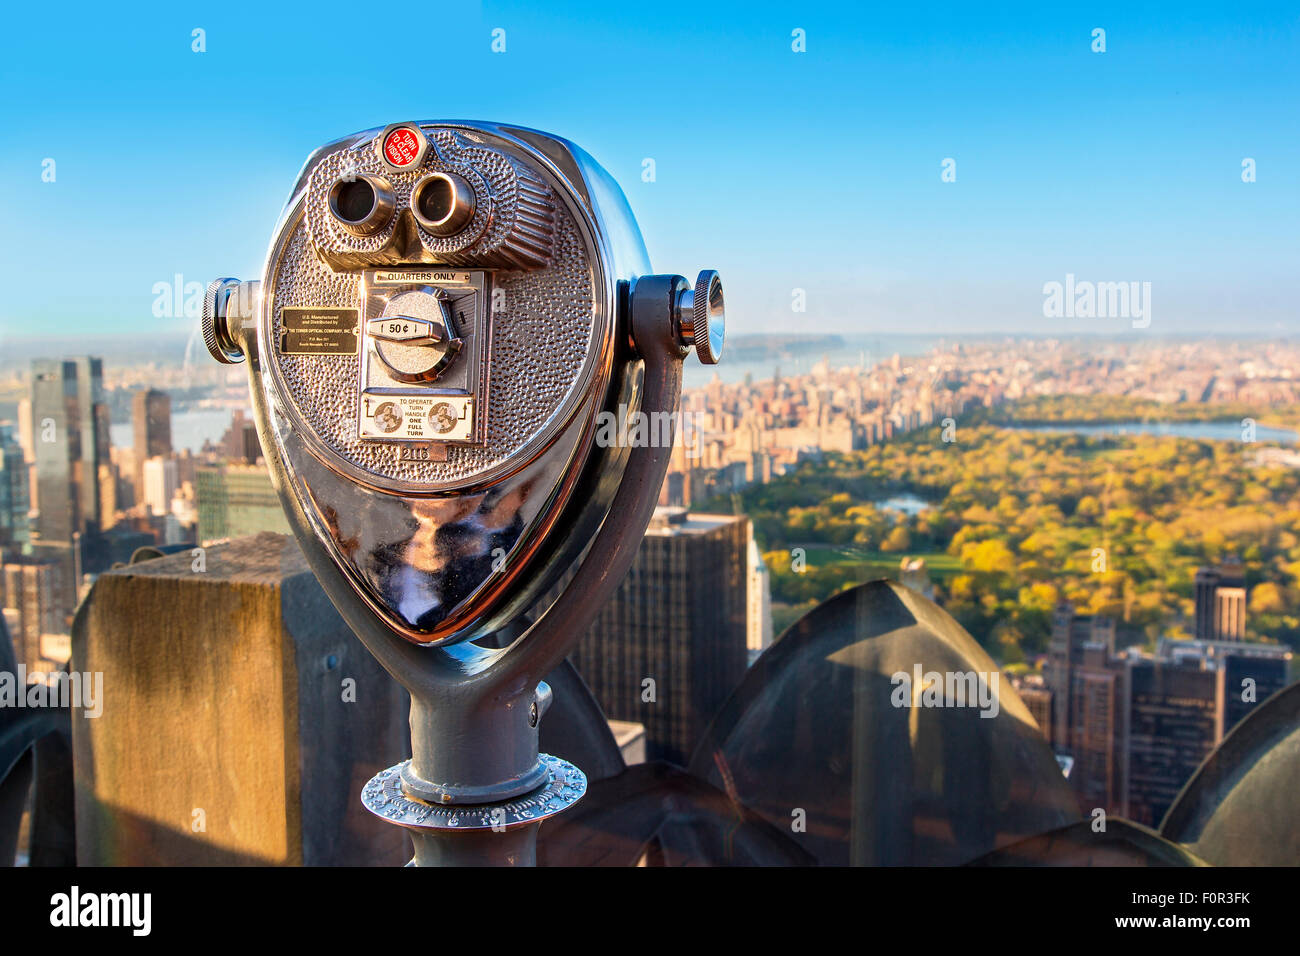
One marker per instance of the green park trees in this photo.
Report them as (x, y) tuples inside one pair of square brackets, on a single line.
[(1017, 520)]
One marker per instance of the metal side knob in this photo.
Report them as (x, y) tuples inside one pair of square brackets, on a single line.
[(221, 316), (701, 318)]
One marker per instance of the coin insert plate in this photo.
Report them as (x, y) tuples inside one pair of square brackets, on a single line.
[(425, 342)]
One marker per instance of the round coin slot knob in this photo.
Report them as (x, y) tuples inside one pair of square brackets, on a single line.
[(414, 338)]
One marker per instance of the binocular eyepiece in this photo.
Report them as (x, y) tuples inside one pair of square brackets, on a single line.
[(363, 205), (442, 203)]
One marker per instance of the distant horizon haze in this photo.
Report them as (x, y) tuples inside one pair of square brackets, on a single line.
[(170, 346)]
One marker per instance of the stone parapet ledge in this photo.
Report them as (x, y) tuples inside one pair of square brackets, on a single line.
[(240, 718)]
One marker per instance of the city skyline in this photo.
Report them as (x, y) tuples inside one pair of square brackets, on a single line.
[(1129, 707)]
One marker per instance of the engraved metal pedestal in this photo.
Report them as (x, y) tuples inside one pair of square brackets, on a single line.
[(491, 834)]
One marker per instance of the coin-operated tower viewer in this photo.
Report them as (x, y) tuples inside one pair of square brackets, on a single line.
[(445, 311)]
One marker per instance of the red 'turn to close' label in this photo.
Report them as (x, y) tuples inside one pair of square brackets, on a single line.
[(401, 146)]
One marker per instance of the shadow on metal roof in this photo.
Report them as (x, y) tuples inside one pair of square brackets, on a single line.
[(1122, 843), (819, 739), (661, 814)]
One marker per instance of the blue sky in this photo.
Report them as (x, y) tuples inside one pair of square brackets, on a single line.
[(817, 170)]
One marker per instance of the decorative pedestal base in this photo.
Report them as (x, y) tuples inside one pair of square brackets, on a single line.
[(491, 834)]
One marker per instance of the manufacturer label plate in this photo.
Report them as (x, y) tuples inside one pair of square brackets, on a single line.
[(323, 331)]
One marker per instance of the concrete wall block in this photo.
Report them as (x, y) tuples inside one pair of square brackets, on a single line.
[(228, 733)]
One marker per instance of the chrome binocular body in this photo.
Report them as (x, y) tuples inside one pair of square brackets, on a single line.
[(445, 311)]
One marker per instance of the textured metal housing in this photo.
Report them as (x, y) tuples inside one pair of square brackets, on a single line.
[(544, 332), (546, 323), (446, 549), (512, 226)]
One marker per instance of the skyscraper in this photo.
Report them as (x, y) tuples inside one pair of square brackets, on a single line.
[(1099, 728), (70, 441), (1221, 602), (35, 594), (758, 617), (240, 442), (57, 440), (1038, 699), (93, 421), (669, 647), (160, 484), (15, 500), (234, 500), (25, 437), (1140, 725), (1175, 720), (1071, 633), (1251, 672), (151, 419)]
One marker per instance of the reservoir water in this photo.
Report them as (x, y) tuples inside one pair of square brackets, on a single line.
[(1219, 431)]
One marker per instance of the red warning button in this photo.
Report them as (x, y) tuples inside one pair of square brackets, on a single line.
[(402, 146)]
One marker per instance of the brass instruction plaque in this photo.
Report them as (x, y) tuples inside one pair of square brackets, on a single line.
[(322, 331)]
